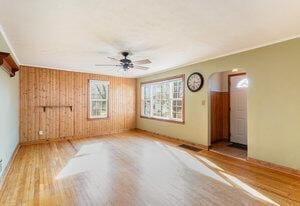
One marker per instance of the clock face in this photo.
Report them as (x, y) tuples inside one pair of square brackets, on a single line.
[(195, 82)]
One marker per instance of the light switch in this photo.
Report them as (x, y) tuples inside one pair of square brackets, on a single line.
[(203, 102)]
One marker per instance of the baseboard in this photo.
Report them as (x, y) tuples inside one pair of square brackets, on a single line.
[(226, 155), (273, 166), (220, 140), (8, 166), (45, 141), (269, 165), (172, 139)]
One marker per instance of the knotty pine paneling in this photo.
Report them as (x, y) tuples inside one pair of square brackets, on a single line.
[(49, 87), (219, 116), (225, 115), (66, 98)]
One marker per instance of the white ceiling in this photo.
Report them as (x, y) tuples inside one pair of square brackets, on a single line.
[(76, 34)]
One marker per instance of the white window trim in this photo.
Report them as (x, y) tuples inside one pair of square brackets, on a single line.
[(151, 116), (90, 116), (175, 99)]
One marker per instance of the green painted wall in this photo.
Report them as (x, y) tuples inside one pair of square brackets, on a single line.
[(273, 102)]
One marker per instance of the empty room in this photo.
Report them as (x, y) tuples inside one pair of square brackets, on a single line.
[(124, 103)]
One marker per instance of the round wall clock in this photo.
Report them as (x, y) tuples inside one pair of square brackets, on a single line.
[(195, 82)]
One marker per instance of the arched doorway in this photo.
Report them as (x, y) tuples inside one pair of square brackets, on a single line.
[(228, 113)]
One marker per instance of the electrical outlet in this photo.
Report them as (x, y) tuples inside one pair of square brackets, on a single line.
[(41, 132)]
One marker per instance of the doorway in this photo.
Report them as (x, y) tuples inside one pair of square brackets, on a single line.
[(237, 88), (228, 113)]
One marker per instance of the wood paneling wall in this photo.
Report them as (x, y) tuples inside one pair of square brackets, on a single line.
[(48, 87), (219, 116)]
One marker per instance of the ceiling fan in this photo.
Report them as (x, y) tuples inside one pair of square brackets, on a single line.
[(126, 63)]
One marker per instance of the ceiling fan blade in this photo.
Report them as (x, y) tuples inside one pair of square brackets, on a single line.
[(114, 59), (141, 67), (107, 65), (144, 61)]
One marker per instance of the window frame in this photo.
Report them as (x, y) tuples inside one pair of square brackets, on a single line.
[(173, 120), (90, 117)]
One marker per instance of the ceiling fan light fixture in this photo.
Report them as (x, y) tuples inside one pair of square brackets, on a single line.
[(127, 64)]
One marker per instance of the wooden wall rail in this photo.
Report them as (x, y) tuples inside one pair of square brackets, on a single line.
[(48, 88), (8, 64), (58, 106)]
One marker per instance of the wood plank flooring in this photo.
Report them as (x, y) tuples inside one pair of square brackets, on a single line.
[(136, 169), (223, 148)]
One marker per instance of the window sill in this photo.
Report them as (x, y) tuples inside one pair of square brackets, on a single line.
[(163, 120), (98, 118)]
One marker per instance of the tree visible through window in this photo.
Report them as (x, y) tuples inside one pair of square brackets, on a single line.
[(98, 97), (163, 99)]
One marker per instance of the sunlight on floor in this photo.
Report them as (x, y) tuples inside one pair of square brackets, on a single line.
[(89, 158), (94, 157), (211, 164), (194, 164), (191, 162), (248, 189), (90, 149)]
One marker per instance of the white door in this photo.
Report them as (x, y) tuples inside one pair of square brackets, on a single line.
[(238, 109)]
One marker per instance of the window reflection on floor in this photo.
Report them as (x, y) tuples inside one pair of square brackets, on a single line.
[(95, 158), (89, 158)]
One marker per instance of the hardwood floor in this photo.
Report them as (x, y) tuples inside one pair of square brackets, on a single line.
[(135, 169), (223, 148)]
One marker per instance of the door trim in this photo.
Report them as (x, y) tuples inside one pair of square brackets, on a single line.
[(229, 109)]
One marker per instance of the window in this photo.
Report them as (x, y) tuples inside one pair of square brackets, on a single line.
[(163, 99), (242, 83), (98, 99)]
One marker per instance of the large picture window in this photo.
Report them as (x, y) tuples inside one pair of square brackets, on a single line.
[(98, 99), (163, 99)]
